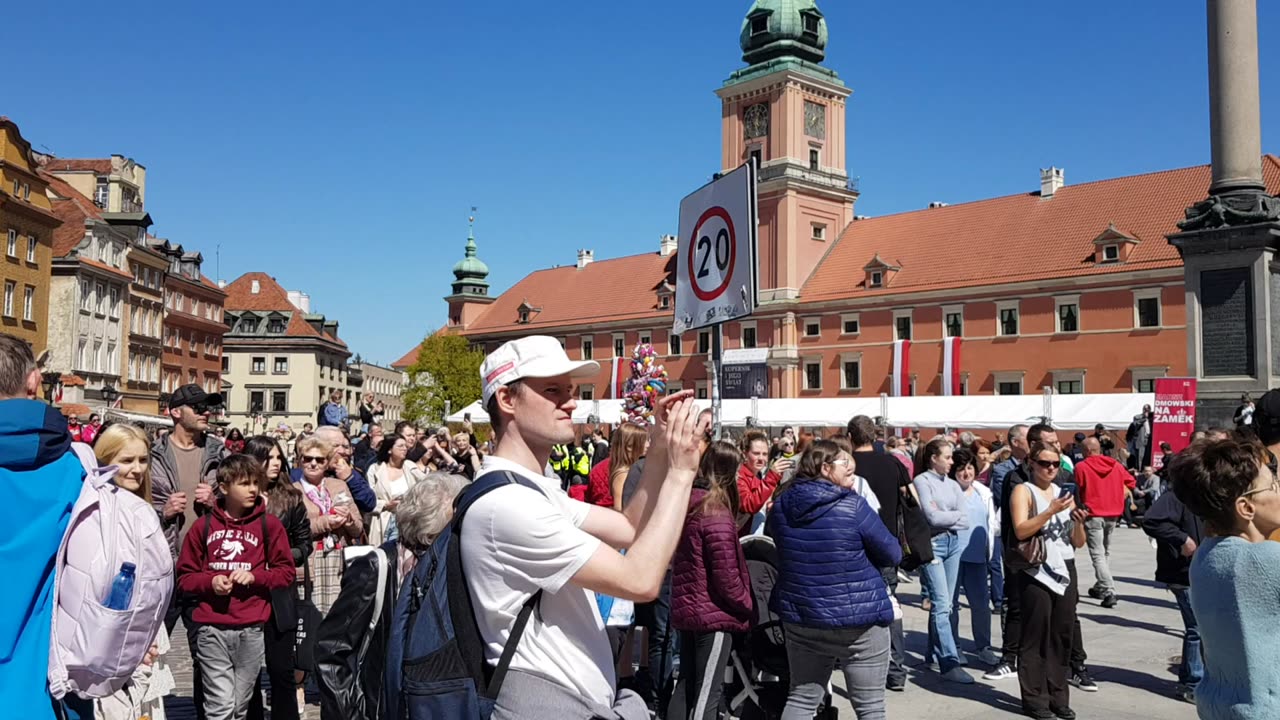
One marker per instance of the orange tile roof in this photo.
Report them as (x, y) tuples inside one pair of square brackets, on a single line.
[(72, 208), (74, 410), (72, 380), (271, 296), (102, 166), (1027, 237)]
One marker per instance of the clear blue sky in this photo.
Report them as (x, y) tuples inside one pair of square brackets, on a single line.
[(339, 147)]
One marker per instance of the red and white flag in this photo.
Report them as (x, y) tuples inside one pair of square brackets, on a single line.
[(900, 381), (951, 366), (618, 377)]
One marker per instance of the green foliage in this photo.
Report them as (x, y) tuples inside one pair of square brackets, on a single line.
[(448, 369)]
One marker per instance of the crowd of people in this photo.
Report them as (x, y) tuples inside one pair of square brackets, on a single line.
[(698, 556)]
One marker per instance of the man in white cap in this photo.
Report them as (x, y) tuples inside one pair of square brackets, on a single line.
[(517, 541)]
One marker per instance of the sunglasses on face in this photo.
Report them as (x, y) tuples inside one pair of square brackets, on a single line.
[(202, 408), (314, 460), (1046, 464)]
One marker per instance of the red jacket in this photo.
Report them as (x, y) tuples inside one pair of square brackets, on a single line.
[(1102, 481), (754, 492), (599, 490), (235, 544), (710, 585)]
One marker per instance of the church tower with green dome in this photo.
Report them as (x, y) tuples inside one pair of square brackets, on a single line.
[(786, 112), (470, 284)]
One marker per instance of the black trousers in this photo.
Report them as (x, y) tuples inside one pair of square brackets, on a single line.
[(1045, 642), (703, 658), (279, 647), (1011, 623)]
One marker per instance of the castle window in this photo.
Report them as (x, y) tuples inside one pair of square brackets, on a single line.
[(759, 25)]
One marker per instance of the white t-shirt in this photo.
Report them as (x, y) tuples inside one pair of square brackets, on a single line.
[(516, 540)]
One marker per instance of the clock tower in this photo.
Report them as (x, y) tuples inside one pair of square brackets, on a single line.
[(786, 112)]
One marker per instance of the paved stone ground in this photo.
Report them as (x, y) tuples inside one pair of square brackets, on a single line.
[(1133, 650)]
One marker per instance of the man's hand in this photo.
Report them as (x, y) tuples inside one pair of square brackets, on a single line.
[(204, 493), (149, 659), (684, 434), (662, 417), (175, 505), (222, 585), (781, 465), (1188, 548), (242, 577)]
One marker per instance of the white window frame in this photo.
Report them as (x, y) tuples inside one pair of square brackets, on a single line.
[(742, 333), (1007, 376), (1016, 307), (587, 392), (1058, 303), (275, 363), (908, 314), (707, 335), (700, 390), (12, 248), (29, 303), (1113, 247), (619, 343), (32, 243), (646, 337), (587, 347), (97, 356), (804, 326), (82, 352), (10, 288), (846, 318), (675, 351), (1138, 374), (1148, 294), (113, 306), (950, 310), (1069, 375), (86, 296), (100, 298), (875, 278), (818, 231), (805, 362), (674, 387), (847, 358)]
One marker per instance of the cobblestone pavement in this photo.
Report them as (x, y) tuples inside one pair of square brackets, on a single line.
[(1133, 651)]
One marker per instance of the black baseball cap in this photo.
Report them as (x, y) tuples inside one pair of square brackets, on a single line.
[(1079, 437), (193, 395)]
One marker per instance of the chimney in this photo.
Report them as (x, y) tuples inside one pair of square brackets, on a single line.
[(222, 284), (936, 204), (255, 287), (585, 258), (1051, 181), (667, 245), (300, 300)]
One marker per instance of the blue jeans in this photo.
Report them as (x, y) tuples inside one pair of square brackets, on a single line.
[(940, 577), (1191, 671), (973, 580)]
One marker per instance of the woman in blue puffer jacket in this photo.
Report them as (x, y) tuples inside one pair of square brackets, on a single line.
[(830, 595)]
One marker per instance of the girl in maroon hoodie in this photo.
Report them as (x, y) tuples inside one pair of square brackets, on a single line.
[(231, 560), (710, 590)]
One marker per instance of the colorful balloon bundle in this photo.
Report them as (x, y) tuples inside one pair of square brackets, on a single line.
[(647, 383)]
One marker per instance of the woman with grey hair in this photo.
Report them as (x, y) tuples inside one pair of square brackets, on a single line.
[(351, 656)]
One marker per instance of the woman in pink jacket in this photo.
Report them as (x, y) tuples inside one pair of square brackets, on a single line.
[(711, 590)]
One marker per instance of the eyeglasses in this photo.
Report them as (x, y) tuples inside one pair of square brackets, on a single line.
[(1275, 485), (314, 460), (840, 461), (1046, 464)]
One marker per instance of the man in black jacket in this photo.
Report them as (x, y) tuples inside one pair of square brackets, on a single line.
[(887, 478), (1178, 532)]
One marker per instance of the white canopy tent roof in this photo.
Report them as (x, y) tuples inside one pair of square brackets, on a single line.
[(973, 412)]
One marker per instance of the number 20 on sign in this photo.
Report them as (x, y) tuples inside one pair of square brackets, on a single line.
[(715, 265)]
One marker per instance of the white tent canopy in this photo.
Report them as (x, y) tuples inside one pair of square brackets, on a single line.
[(973, 412)]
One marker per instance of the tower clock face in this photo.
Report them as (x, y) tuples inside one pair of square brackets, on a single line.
[(756, 121), (815, 120)]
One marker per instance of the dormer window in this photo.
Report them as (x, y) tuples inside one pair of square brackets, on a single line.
[(523, 316), (525, 313), (665, 293), (879, 273), (1113, 245), (759, 25), (249, 325), (877, 279), (275, 326), (664, 302), (811, 21), (1110, 253)]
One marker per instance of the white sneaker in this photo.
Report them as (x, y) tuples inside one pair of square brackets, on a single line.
[(904, 578), (958, 675), (989, 657)]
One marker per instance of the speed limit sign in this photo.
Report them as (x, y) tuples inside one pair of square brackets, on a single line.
[(716, 256)]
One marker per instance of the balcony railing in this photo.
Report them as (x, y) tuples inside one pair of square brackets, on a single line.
[(799, 172)]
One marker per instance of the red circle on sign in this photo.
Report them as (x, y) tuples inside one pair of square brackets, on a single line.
[(706, 295)]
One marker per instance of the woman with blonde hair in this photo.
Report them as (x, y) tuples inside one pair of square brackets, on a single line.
[(126, 447), (629, 444)]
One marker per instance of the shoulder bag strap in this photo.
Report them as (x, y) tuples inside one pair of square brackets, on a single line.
[(266, 542), (509, 650)]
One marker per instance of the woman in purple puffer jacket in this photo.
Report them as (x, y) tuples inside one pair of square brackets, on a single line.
[(710, 588)]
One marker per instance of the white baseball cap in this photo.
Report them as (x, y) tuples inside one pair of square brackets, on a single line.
[(536, 356)]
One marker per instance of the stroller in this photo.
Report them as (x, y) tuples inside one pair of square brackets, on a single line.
[(758, 679)]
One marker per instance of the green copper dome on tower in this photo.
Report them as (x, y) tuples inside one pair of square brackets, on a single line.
[(470, 273), (775, 29)]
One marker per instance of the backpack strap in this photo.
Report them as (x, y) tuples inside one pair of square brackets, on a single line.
[(266, 542), (483, 485)]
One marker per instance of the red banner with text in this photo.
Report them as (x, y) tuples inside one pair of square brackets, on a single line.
[(1175, 416)]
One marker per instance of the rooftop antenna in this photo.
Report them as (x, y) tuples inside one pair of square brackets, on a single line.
[(217, 262)]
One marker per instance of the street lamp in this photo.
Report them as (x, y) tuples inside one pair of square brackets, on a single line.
[(49, 382), (109, 395)]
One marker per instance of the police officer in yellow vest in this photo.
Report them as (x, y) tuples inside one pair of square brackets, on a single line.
[(571, 464)]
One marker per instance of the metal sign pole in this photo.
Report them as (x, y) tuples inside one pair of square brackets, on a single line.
[(716, 352)]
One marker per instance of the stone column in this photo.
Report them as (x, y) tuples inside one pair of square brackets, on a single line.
[(1234, 116)]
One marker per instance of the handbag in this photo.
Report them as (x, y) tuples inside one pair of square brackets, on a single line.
[(1025, 554), (914, 533)]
